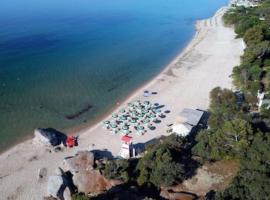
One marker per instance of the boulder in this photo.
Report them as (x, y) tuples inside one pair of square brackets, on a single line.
[(82, 161), (177, 195), (59, 187), (67, 194), (42, 172), (55, 183), (92, 182), (49, 137)]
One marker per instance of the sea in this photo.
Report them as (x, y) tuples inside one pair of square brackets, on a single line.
[(66, 63)]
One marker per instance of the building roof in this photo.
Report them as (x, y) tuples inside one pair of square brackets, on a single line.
[(182, 129), (126, 139), (190, 116)]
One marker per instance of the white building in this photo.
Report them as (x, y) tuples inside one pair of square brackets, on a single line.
[(262, 101), (186, 121)]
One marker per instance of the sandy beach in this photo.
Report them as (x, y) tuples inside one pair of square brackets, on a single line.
[(205, 63)]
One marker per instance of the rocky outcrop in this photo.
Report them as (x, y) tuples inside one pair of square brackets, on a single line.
[(82, 161), (92, 182), (177, 195), (49, 137), (59, 186)]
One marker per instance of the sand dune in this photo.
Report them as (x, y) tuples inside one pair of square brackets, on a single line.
[(205, 63)]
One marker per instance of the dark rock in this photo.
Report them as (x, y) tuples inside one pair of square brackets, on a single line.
[(49, 136)]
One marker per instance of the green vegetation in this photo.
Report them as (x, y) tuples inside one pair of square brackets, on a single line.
[(252, 182), (230, 132), (236, 131), (165, 163), (117, 169), (159, 167), (80, 197)]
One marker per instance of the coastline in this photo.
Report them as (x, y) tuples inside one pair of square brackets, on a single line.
[(175, 81), (78, 129)]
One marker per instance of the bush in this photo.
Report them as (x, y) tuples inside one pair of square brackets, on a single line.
[(246, 23), (254, 35), (158, 167), (117, 169), (80, 196)]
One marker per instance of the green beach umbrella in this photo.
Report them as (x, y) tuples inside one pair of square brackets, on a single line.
[(113, 125), (122, 110), (133, 121), (123, 117), (125, 127), (158, 111), (146, 102), (153, 116), (114, 115), (106, 122), (146, 121)]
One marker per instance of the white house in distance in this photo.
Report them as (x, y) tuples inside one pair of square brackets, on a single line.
[(186, 121)]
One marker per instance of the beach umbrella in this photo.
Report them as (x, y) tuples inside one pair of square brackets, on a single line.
[(137, 103), (146, 93), (123, 117), (162, 115), (125, 127), (113, 125), (140, 115), (133, 121), (153, 116), (122, 110), (146, 102), (140, 128), (106, 122), (158, 111), (156, 120), (114, 115), (146, 121)]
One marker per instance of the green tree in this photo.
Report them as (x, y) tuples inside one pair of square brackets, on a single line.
[(253, 181), (223, 107), (117, 169), (159, 167), (231, 140), (254, 35)]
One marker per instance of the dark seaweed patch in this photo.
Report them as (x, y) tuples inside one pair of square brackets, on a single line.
[(112, 88), (80, 112)]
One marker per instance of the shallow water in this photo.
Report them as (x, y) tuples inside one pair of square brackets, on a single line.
[(66, 62)]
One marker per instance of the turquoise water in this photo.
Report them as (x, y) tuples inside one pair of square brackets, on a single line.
[(66, 62)]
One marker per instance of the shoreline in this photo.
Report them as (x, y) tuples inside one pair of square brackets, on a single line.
[(77, 129), (185, 82)]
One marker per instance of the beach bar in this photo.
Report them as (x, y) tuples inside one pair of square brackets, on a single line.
[(186, 121)]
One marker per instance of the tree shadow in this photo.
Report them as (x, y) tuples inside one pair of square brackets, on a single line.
[(140, 147), (130, 191), (100, 154)]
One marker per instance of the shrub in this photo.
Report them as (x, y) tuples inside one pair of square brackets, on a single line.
[(117, 169)]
